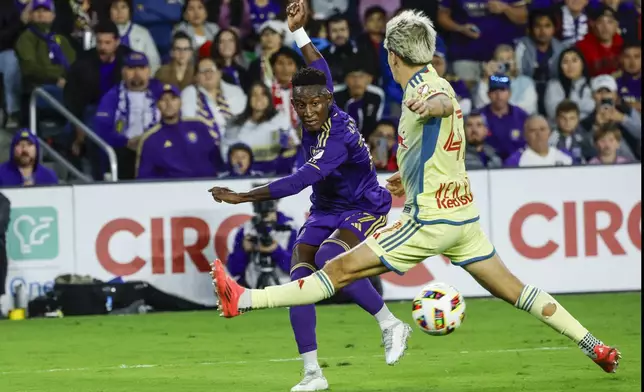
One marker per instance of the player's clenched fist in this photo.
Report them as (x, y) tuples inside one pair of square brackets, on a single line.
[(394, 185), (296, 13), (222, 194)]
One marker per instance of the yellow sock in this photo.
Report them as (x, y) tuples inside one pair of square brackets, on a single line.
[(534, 301), (312, 289)]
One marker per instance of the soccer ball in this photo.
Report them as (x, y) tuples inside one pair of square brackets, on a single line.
[(438, 309)]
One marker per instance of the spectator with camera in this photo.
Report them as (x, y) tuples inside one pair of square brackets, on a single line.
[(538, 152), (263, 247), (478, 153), (383, 145), (477, 28), (569, 135), (523, 91), (610, 109)]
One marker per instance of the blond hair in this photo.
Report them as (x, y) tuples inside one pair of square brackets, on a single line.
[(411, 36)]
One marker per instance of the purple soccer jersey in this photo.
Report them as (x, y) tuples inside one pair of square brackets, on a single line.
[(495, 29), (630, 88), (341, 172)]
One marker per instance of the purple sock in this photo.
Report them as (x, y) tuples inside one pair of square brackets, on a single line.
[(361, 291), (303, 317)]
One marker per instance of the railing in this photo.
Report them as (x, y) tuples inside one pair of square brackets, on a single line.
[(53, 102)]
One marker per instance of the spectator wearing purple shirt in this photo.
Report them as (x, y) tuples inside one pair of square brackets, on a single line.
[(477, 28), (478, 153), (538, 151), (629, 78), (524, 94), (230, 14), (23, 168), (439, 62), (608, 138), (572, 21), (572, 82), (504, 120), (537, 54), (261, 11)]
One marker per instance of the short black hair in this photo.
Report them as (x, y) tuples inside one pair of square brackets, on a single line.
[(336, 18), (630, 44), (358, 63), (376, 9), (537, 14), (107, 27), (181, 35), (288, 52), (308, 76)]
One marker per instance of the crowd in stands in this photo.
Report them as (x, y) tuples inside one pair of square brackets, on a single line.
[(201, 88)]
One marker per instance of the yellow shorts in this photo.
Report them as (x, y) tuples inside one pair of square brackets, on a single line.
[(406, 243)]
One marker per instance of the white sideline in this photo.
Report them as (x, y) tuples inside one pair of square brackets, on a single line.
[(121, 367)]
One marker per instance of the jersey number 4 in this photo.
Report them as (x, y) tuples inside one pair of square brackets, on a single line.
[(454, 142)]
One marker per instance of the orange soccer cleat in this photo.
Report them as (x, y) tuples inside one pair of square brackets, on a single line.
[(607, 357), (228, 291)]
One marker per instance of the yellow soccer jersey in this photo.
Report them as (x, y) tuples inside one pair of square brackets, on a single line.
[(431, 157)]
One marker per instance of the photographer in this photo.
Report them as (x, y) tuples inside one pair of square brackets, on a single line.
[(263, 247)]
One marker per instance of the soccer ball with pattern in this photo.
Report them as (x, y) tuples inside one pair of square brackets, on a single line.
[(438, 309)]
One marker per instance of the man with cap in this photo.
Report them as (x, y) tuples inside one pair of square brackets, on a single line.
[(23, 168), (127, 111), (505, 121), (271, 38), (602, 47), (358, 97), (176, 147), (44, 57), (609, 108), (439, 62)]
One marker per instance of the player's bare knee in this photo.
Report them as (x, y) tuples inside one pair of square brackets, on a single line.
[(338, 272), (548, 310)]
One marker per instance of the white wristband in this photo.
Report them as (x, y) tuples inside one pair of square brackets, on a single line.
[(301, 38)]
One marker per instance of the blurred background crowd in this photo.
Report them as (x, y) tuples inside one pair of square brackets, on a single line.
[(540, 83)]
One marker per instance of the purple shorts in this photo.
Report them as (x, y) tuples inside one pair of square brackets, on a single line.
[(319, 226)]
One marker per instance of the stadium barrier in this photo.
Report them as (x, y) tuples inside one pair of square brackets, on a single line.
[(563, 229)]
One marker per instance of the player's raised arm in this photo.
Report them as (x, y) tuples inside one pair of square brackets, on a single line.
[(297, 13)]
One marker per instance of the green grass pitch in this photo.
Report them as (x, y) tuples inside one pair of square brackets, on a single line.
[(498, 349)]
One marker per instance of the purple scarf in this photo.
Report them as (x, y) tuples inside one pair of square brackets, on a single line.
[(125, 38), (56, 54)]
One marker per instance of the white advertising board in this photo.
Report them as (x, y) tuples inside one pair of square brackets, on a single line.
[(40, 239), (570, 229)]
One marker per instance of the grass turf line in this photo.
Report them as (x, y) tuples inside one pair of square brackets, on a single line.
[(498, 348)]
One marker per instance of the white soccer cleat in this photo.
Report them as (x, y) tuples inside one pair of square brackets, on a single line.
[(313, 381), (395, 339)]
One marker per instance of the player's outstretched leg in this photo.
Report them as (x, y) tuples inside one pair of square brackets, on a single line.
[(303, 322), (395, 333), (494, 276)]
